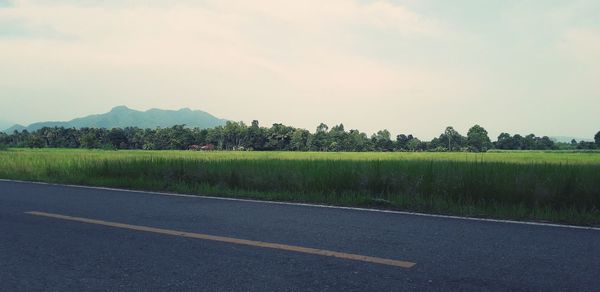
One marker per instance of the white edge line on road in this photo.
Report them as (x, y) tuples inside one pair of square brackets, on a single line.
[(310, 205)]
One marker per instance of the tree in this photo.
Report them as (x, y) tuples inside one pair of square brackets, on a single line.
[(530, 142), (279, 137), (215, 136), (319, 141), (414, 144), (88, 140), (234, 134), (19, 139), (299, 141), (322, 128), (179, 137), (343, 140), (382, 140), (256, 137), (452, 139), (451, 135), (402, 141), (359, 141), (520, 142), (117, 138), (3, 138), (586, 145), (504, 141), (478, 139), (545, 143), (134, 137), (597, 138), (35, 141)]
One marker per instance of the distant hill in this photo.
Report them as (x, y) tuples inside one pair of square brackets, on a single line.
[(122, 116), (565, 139)]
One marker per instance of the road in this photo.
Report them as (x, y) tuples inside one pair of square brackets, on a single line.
[(80, 239)]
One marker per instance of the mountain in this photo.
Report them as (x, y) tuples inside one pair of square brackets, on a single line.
[(565, 139), (122, 116), (5, 124)]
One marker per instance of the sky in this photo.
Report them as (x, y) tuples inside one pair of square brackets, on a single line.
[(411, 66)]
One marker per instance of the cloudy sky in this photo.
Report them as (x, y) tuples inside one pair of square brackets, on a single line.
[(412, 66)]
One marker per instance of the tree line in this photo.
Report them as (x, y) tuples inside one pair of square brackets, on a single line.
[(239, 136)]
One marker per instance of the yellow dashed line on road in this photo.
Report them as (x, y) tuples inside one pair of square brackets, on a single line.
[(278, 246)]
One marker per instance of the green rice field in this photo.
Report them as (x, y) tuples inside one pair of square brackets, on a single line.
[(561, 187)]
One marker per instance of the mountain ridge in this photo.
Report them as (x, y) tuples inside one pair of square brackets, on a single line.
[(567, 139), (123, 116)]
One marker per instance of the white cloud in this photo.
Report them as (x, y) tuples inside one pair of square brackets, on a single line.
[(581, 44), (369, 64), (300, 49)]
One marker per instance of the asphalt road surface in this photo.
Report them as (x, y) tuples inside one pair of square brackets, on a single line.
[(61, 238)]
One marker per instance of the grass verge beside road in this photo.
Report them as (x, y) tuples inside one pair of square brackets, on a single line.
[(554, 187)]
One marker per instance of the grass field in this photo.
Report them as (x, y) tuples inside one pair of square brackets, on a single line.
[(548, 186)]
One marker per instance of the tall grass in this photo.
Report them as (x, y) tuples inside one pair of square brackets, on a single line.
[(560, 187)]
